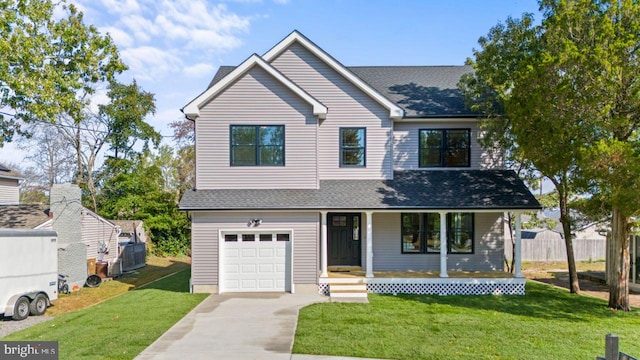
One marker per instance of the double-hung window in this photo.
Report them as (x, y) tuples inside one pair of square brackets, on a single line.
[(353, 147), (257, 145), (421, 233), (445, 148)]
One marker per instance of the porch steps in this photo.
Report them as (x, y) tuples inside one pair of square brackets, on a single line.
[(348, 292)]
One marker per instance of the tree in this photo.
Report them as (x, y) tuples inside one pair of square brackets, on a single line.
[(119, 123), (574, 83), (136, 191), (184, 135), (52, 153), (49, 63), (516, 84), (600, 45), (129, 105)]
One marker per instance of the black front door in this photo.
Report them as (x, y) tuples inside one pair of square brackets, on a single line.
[(344, 239)]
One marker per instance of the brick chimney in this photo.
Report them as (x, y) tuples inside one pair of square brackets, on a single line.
[(66, 206)]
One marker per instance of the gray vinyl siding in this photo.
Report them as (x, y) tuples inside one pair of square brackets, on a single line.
[(348, 107), (406, 143), (95, 230), (9, 192), (256, 99), (204, 241), (387, 255)]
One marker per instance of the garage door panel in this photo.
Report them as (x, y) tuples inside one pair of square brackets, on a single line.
[(251, 266), (249, 253), (266, 252), (231, 252), (249, 269), (248, 284)]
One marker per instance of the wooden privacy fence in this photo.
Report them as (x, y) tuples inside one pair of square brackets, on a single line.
[(133, 256), (555, 249)]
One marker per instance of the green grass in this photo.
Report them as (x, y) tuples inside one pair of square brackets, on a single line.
[(546, 323), (119, 328)]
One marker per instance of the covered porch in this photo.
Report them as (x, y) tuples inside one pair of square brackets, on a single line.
[(372, 274)]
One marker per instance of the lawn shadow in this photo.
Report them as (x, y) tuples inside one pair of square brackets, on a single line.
[(540, 301), (176, 282), (148, 276)]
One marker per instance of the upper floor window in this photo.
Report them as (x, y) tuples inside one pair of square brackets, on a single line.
[(445, 148), (253, 145), (421, 233), (352, 147)]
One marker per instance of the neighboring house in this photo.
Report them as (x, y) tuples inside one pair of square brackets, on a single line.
[(9, 186), (76, 225), (95, 229), (131, 231), (304, 166)]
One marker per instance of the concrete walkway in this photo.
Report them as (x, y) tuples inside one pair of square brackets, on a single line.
[(236, 326)]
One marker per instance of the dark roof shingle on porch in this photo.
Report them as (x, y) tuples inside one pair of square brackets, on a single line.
[(438, 189)]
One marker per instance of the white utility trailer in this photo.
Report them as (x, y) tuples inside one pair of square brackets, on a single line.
[(28, 272)]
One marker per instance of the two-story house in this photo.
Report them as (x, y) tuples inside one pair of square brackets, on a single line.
[(310, 173)]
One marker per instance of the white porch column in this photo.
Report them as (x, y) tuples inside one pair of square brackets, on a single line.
[(369, 269), (323, 244), (443, 245), (518, 250)]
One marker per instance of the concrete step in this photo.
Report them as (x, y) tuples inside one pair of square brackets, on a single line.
[(348, 287), (348, 294), (350, 299)]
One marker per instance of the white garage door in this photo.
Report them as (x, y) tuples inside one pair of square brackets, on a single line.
[(254, 262)]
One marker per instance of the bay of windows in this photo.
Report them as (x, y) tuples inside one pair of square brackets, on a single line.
[(421, 233), (257, 145)]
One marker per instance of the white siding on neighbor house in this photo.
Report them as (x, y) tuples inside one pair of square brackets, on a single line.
[(488, 247), (9, 192), (256, 99), (94, 230), (406, 144), (204, 241), (348, 107)]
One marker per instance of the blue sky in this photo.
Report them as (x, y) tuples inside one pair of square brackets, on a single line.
[(174, 47)]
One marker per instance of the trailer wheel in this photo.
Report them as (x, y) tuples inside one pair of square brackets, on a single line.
[(21, 309), (38, 306)]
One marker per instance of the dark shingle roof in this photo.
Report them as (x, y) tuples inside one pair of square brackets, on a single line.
[(439, 189), (421, 91), (221, 73), (23, 216), (6, 172)]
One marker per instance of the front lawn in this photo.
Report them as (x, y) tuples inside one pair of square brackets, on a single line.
[(546, 323), (119, 328)]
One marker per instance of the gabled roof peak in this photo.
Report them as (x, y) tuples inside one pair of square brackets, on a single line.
[(192, 109), (395, 112)]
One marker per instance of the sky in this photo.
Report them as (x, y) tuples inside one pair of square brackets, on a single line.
[(174, 47)]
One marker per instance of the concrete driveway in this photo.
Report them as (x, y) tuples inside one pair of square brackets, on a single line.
[(235, 326)]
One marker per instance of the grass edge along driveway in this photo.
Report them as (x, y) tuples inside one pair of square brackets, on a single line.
[(546, 323), (119, 328)]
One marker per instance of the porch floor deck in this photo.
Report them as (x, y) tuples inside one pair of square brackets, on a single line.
[(424, 274)]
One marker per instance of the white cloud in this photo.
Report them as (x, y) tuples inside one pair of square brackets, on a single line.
[(140, 27), (121, 6), (148, 62), (121, 38), (199, 70), (281, 1)]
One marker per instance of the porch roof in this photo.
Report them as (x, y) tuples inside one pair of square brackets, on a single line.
[(416, 189)]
